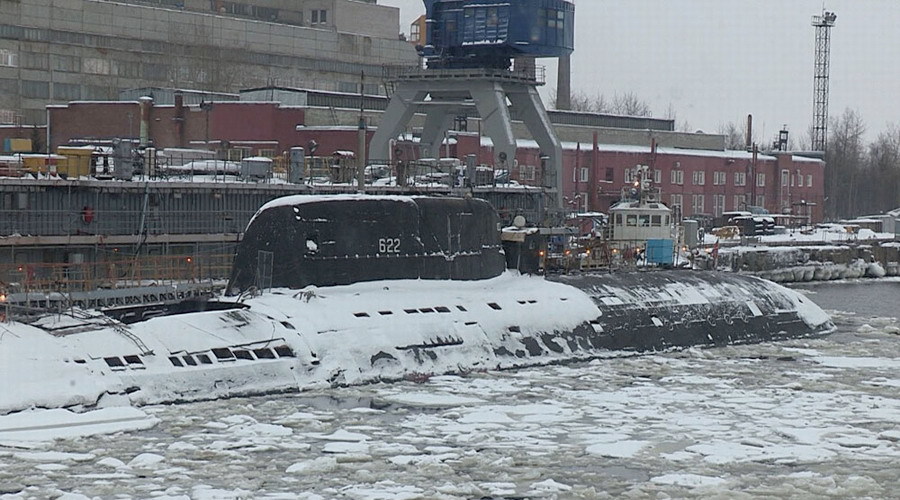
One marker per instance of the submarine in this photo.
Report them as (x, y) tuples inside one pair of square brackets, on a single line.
[(350, 289)]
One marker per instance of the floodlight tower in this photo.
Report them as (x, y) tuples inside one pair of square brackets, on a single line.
[(823, 24)]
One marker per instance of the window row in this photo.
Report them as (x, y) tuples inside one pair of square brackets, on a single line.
[(795, 179), (642, 220), (698, 203), (66, 91)]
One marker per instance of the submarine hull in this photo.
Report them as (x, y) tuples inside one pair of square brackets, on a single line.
[(289, 340)]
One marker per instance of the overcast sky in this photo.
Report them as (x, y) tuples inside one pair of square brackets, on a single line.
[(716, 61)]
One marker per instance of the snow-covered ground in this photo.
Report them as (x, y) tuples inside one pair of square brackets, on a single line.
[(822, 233), (810, 419)]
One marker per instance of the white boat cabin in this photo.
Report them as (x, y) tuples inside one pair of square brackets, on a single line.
[(640, 221)]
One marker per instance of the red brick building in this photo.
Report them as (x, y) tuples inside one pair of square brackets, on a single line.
[(250, 127), (694, 182)]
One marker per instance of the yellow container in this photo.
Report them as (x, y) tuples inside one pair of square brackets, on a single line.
[(20, 145), (77, 161), (41, 164)]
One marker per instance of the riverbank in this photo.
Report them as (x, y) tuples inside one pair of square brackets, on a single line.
[(827, 252), (787, 264)]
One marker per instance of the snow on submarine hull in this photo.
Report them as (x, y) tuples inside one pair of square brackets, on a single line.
[(363, 289)]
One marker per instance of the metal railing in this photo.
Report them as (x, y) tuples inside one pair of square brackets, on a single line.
[(114, 273), (91, 221)]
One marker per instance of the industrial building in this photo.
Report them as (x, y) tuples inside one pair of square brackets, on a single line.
[(697, 175), (56, 51)]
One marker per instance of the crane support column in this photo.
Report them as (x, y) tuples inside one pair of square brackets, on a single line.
[(442, 95)]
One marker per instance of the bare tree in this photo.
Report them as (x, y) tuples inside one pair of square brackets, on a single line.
[(879, 190), (734, 136), (844, 160), (629, 104)]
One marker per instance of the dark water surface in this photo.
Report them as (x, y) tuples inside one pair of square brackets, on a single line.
[(871, 298)]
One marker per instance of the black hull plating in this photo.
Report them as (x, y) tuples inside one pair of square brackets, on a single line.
[(638, 314)]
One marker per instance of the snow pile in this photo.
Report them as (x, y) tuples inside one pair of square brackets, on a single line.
[(48, 425)]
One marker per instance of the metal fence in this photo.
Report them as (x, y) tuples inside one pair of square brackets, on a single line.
[(90, 221), (115, 273)]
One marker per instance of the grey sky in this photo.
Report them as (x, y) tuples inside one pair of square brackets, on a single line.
[(716, 61)]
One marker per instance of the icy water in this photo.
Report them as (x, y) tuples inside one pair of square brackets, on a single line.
[(801, 419)]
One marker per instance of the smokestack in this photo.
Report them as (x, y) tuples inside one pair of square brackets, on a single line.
[(179, 119), (146, 104), (564, 83), (749, 139)]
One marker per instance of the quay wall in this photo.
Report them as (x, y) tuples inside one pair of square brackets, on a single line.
[(815, 263)]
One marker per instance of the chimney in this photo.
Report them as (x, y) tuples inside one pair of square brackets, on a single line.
[(749, 139), (179, 119), (146, 104)]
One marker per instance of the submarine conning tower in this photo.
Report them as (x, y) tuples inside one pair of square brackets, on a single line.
[(298, 241)]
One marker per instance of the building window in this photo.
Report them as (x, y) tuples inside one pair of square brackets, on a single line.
[(719, 178), (268, 153), (238, 154), (678, 177), (584, 174), (809, 180), (761, 200), (348, 87), (35, 89), (740, 202), (8, 58), (96, 92), (526, 172), (740, 178), (414, 32), (697, 203), (318, 16), (155, 71), (128, 69), (7, 116), (698, 178), (67, 91), (657, 176), (95, 66), (68, 64), (583, 201), (610, 174), (785, 178), (718, 204), (761, 180), (629, 175), (676, 206), (35, 60)]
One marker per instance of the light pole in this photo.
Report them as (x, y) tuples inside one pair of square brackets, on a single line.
[(206, 106)]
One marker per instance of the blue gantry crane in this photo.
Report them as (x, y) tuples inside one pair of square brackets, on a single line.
[(489, 33), (469, 49)]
